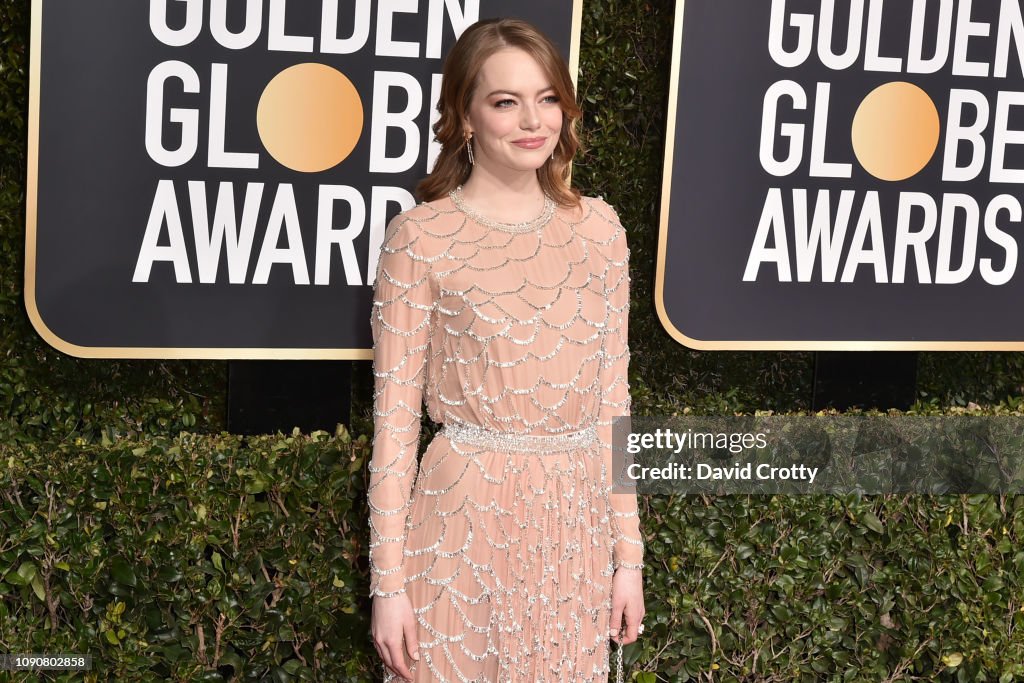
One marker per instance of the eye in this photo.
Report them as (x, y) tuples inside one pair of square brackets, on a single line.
[(504, 104), (551, 99)]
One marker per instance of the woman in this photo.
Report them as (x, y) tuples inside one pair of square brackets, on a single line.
[(504, 297)]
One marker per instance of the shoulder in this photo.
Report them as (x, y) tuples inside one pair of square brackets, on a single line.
[(420, 224), (416, 215), (433, 208), (606, 226), (601, 209)]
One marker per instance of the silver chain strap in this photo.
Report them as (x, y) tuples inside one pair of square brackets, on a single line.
[(618, 653)]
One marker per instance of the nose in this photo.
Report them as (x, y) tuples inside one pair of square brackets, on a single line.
[(530, 117)]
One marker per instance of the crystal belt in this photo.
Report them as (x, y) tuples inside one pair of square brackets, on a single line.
[(511, 442)]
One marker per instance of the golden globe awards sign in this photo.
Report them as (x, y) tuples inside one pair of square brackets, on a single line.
[(845, 174), (212, 178)]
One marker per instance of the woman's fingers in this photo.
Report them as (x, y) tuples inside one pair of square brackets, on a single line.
[(616, 621), (628, 618), (385, 654), (633, 616), (394, 652), (411, 640)]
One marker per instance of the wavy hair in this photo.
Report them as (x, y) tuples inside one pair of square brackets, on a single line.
[(460, 75)]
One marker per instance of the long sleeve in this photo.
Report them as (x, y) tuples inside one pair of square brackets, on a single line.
[(628, 550), (400, 320)]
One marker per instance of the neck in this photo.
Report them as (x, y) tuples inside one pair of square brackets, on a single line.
[(509, 197)]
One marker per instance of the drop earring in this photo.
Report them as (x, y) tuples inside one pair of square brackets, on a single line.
[(469, 150)]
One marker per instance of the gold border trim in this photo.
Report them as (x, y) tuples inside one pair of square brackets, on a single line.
[(765, 345), (169, 352), (574, 57), (575, 39)]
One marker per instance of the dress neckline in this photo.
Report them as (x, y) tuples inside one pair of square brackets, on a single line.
[(526, 226)]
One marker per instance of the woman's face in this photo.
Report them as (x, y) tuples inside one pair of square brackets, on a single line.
[(514, 116)]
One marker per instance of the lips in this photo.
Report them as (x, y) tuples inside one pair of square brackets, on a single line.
[(530, 143)]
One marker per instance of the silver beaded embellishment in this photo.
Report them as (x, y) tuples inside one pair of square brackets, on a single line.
[(508, 442), (628, 565), (526, 226)]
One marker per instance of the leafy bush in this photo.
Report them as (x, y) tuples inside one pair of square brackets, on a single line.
[(198, 557)]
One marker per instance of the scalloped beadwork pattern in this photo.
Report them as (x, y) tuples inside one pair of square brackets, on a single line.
[(505, 533)]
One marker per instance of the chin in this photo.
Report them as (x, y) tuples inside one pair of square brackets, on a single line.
[(533, 164), (521, 166)]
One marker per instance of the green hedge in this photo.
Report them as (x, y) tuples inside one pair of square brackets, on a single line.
[(197, 558), (220, 558)]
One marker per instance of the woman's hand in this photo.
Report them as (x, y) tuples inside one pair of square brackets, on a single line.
[(628, 601), (393, 625)]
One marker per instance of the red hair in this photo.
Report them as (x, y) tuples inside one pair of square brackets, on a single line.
[(460, 74)]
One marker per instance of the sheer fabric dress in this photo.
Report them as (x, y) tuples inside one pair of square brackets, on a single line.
[(505, 533)]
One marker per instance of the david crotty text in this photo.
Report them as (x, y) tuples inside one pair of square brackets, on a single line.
[(704, 471)]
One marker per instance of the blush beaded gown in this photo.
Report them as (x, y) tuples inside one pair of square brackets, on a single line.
[(505, 534)]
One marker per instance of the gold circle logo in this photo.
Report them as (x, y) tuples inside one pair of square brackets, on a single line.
[(310, 117), (895, 131)]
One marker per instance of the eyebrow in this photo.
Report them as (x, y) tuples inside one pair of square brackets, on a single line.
[(516, 94)]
